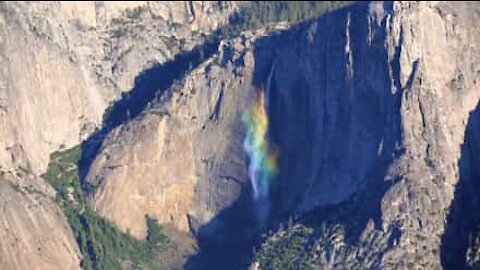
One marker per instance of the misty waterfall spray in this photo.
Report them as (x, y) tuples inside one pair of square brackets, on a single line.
[(262, 154)]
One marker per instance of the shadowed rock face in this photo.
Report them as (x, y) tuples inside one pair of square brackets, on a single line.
[(334, 107), (368, 107), (463, 220), (369, 115), (374, 119)]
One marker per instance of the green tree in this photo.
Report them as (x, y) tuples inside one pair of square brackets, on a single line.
[(102, 245), (155, 237)]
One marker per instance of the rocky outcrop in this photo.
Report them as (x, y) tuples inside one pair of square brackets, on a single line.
[(368, 108), (167, 161)]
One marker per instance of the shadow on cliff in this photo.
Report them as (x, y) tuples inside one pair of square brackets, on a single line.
[(227, 241), (149, 84), (312, 140), (463, 218)]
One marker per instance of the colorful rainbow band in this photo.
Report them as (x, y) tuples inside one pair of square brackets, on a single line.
[(263, 157)]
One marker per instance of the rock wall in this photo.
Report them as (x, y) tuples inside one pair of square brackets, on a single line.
[(34, 232), (63, 63), (181, 159), (377, 117), (368, 107)]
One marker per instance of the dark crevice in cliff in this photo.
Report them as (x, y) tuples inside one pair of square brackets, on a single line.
[(463, 218), (218, 106), (149, 84), (396, 60), (413, 74)]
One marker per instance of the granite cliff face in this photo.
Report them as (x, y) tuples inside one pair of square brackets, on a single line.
[(379, 122), (63, 63), (172, 174), (383, 126), (75, 58), (33, 230), (368, 107), (372, 109)]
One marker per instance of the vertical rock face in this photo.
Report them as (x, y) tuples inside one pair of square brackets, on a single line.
[(62, 64), (377, 117), (460, 242), (373, 89), (34, 233), (368, 108)]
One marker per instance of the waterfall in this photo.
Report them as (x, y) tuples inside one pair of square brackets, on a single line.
[(262, 154), (269, 84)]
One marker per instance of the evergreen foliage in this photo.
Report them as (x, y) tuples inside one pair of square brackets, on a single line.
[(257, 14), (102, 245)]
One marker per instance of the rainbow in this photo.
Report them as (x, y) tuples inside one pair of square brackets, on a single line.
[(263, 157)]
